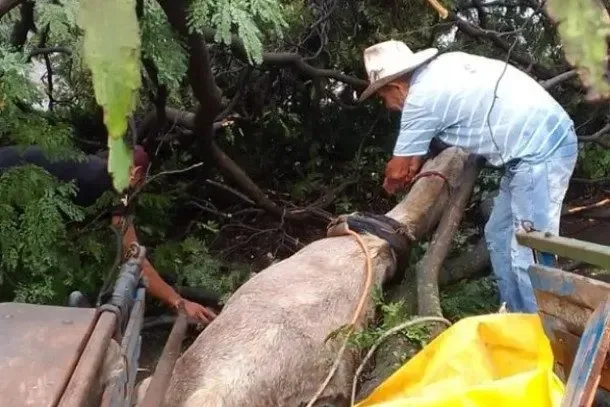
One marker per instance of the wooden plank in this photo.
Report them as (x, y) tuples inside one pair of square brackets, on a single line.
[(80, 389), (573, 317), (579, 290), (564, 350), (575, 249), (39, 347), (592, 350)]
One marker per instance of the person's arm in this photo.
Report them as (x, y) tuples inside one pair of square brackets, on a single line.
[(158, 288), (418, 126)]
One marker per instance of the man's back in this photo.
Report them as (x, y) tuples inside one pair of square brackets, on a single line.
[(91, 175), (457, 89)]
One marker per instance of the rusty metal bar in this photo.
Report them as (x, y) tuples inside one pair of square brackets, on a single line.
[(119, 390), (591, 253), (86, 373), (158, 385)]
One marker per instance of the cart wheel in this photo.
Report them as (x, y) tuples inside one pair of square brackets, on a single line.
[(76, 299)]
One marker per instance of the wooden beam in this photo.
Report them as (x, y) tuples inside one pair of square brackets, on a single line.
[(591, 253)]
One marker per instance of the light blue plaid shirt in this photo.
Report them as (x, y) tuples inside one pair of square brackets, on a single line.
[(450, 98)]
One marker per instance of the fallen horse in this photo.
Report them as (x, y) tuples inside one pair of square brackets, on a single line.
[(270, 345)]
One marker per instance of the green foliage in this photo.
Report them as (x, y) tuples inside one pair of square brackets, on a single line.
[(595, 161), (248, 16), (23, 128), (488, 182), (112, 53), (34, 249), (391, 314), (191, 261), (162, 46), (584, 26), (14, 85), (60, 16), (468, 298)]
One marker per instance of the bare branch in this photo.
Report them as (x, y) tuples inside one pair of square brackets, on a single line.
[(23, 26), (241, 86), (552, 82), (187, 119), (497, 3), (49, 50), (297, 61), (8, 5), (598, 136), (496, 39), (288, 59)]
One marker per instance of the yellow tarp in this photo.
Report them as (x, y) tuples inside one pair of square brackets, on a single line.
[(491, 360)]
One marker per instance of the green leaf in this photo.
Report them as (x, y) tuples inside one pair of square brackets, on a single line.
[(252, 18), (161, 44), (583, 36), (112, 53), (120, 158)]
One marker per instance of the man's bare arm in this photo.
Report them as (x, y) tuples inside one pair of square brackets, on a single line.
[(157, 287)]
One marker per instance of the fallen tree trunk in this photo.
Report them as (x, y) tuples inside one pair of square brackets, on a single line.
[(427, 270), (270, 344), (473, 262), (469, 264), (391, 353)]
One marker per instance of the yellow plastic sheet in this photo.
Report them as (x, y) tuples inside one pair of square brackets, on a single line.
[(490, 360)]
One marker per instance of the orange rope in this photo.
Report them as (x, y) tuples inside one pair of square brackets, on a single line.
[(363, 296), (369, 276)]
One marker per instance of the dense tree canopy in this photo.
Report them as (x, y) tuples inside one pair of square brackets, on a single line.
[(248, 108)]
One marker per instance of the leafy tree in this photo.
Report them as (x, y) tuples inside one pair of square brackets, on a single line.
[(257, 97)]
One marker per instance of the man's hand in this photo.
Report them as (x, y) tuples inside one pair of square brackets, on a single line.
[(400, 171), (198, 312)]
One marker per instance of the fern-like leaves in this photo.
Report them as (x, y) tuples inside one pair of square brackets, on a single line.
[(250, 18)]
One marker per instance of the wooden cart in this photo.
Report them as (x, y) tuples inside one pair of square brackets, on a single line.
[(575, 312), (75, 357)]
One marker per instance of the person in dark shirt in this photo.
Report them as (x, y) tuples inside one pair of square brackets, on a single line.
[(92, 180)]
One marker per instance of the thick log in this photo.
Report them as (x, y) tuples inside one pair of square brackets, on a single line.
[(427, 270), (270, 345), (469, 264), (389, 355), (474, 262)]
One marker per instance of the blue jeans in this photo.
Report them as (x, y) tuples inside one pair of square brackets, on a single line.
[(528, 192)]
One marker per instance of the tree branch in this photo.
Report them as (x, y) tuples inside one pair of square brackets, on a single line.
[(556, 80), (208, 95), (598, 136), (8, 5), (427, 271), (498, 3), (49, 50), (288, 59), (297, 61), (496, 39), (241, 86), (25, 23)]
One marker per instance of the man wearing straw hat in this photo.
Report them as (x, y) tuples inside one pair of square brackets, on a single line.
[(489, 108)]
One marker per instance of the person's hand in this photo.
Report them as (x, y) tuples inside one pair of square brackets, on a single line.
[(400, 171), (198, 312)]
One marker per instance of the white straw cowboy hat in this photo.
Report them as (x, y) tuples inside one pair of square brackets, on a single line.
[(389, 60)]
